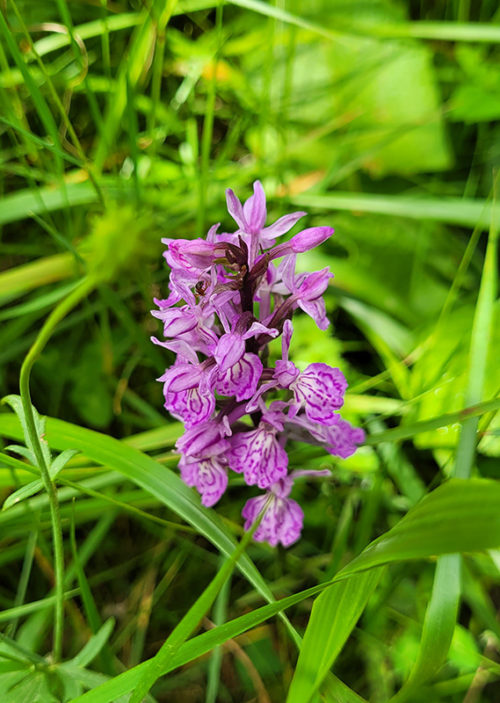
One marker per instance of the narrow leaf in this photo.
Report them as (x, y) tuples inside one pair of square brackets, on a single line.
[(94, 645), (433, 516), (332, 620), (31, 488)]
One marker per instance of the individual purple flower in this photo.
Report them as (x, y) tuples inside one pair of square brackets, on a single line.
[(283, 517), (208, 476), (258, 454), (251, 218), (203, 440), (319, 389), (241, 378), (307, 290), (303, 241), (191, 323), (188, 385), (176, 321), (192, 255), (191, 406), (231, 346), (342, 439)]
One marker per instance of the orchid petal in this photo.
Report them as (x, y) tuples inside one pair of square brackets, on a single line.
[(235, 209), (254, 209)]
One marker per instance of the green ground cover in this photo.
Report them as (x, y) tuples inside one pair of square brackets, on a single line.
[(123, 122)]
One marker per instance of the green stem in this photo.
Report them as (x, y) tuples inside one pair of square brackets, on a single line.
[(54, 318)]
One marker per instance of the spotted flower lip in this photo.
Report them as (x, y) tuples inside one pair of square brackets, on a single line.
[(259, 455), (208, 476), (320, 390), (282, 518), (240, 380), (229, 295)]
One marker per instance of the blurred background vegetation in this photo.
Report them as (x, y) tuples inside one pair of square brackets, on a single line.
[(124, 121)]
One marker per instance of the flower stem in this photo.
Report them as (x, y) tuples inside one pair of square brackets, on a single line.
[(36, 349)]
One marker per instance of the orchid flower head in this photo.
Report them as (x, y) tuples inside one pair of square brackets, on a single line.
[(229, 294)]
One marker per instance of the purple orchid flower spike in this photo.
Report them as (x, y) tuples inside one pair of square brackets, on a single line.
[(227, 300)]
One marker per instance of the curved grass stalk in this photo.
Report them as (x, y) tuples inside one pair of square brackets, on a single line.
[(36, 349)]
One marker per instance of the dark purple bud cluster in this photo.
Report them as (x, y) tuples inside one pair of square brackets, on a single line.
[(228, 299)]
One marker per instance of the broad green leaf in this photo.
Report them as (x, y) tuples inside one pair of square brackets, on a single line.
[(392, 88), (333, 617), (456, 517), (439, 625)]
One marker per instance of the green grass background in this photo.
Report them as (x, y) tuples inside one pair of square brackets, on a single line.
[(122, 122)]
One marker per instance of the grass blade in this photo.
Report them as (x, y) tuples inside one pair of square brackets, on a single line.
[(458, 211), (158, 480), (432, 530), (332, 620)]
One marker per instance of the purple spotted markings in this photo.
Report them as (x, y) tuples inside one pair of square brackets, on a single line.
[(230, 294)]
